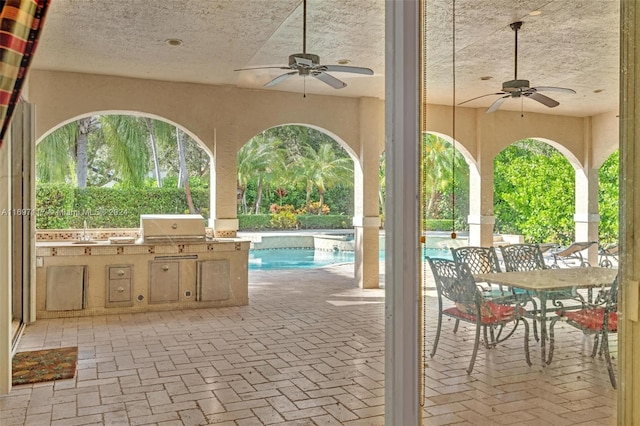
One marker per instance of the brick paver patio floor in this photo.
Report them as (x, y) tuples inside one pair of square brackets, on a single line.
[(308, 350)]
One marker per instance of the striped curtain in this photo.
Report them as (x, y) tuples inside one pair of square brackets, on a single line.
[(20, 26)]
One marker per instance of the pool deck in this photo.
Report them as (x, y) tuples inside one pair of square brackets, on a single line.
[(308, 350)]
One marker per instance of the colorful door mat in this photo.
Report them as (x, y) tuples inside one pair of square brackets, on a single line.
[(44, 365)]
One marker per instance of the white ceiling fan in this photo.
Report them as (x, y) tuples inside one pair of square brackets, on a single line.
[(516, 88), (308, 64)]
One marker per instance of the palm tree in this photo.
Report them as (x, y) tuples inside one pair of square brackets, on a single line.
[(149, 123), (439, 164), (57, 149), (85, 126), (72, 139), (94, 150), (259, 160), (125, 138), (183, 176), (323, 169)]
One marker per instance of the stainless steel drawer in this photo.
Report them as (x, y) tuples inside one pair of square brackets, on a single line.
[(119, 291), (119, 286), (119, 272)]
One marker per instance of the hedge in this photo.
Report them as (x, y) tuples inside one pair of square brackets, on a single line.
[(329, 221), (254, 222), (259, 222), (61, 206), (54, 204), (437, 224)]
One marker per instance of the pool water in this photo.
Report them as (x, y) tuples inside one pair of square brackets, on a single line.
[(287, 258)]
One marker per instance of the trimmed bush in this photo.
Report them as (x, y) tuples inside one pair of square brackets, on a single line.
[(310, 221), (284, 219), (54, 206), (110, 207), (437, 225), (254, 222)]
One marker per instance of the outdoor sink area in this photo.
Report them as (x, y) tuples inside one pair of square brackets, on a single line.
[(170, 262)]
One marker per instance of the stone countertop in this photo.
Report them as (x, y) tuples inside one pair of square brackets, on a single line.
[(94, 243)]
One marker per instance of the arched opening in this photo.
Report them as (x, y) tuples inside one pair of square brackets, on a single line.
[(446, 168), (280, 162), (297, 177), (534, 187), (108, 168)]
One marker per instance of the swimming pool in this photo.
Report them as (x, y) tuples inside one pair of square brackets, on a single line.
[(287, 258)]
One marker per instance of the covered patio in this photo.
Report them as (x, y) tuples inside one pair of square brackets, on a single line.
[(308, 350), (331, 377)]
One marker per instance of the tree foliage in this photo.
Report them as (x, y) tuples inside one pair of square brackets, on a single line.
[(445, 182), (534, 187), (282, 163), (608, 198), (120, 150)]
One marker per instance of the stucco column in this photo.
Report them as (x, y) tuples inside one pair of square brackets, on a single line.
[(629, 324), (223, 187), (586, 217), (366, 220), (481, 219), (5, 270)]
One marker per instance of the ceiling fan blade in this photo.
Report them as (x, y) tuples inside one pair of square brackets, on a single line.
[(279, 79), (263, 68), (494, 106), (345, 68), (330, 80), (552, 89), (544, 100), (478, 97)]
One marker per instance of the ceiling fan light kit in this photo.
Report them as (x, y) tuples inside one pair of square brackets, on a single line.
[(307, 64), (517, 88)]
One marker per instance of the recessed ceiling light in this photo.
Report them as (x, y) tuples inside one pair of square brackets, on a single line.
[(486, 77), (343, 61), (535, 13), (174, 42), (598, 91)]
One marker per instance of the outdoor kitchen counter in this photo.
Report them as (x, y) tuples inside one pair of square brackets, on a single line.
[(77, 278)]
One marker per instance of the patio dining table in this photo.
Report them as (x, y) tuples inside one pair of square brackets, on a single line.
[(543, 283)]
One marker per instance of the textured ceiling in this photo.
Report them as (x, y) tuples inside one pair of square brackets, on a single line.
[(572, 43)]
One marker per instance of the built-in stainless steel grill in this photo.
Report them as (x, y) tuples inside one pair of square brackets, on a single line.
[(172, 228)]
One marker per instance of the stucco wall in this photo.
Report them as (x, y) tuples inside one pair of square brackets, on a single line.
[(223, 113)]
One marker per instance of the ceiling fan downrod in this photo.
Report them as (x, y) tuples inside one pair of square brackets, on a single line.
[(515, 26), (304, 26)]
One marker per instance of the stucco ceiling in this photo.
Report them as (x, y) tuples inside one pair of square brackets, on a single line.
[(572, 43)]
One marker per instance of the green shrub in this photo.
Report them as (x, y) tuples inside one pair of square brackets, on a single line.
[(54, 206), (111, 207), (314, 208), (311, 221), (284, 219), (254, 222), (437, 224)]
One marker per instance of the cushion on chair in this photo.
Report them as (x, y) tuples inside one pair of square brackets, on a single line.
[(491, 312), (591, 319)]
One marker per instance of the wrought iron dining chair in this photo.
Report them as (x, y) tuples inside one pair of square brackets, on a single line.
[(482, 260), (598, 318), (522, 257), (454, 282)]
